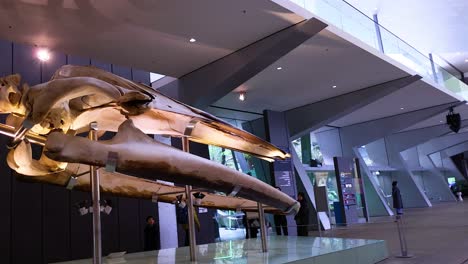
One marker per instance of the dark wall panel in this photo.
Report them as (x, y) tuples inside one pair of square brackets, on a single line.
[(129, 225), (121, 71), (141, 76), (81, 228), (56, 210), (110, 227), (101, 65), (5, 172), (76, 60), (6, 55), (27, 197), (5, 204)]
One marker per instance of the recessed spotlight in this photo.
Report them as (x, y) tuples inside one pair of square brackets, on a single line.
[(279, 68), (466, 60), (192, 40), (402, 108), (242, 96), (441, 121), (43, 55), (334, 86)]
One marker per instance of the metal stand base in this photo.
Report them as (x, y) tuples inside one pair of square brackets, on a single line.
[(401, 256)]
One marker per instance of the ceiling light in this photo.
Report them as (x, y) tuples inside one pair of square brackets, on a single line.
[(192, 40), (466, 60), (242, 96), (43, 55), (402, 108), (279, 68), (334, 86), (441, 121)]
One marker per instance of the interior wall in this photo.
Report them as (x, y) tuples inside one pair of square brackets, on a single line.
[(39, 223)]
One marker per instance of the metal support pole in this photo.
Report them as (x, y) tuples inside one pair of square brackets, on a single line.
[(94, 179), (434, 73), (378, 33), (401, 236), (261, 215), (190, 211)]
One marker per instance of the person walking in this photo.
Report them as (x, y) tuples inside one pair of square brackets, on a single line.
[(302, 217), (397, 201)]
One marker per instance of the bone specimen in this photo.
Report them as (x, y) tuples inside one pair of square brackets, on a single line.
[(77, 96)]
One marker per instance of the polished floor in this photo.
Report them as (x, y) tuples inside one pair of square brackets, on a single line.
[(310, 250), (437, 235)]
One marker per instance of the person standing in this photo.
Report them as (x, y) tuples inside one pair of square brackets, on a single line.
[(302, 217), (397, 201), (281, 223), (182, 220), (151, 234)]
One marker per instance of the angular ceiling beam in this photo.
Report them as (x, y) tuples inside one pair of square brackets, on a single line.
[(307, 118), (441, 143), (208, 84), (363, 133)]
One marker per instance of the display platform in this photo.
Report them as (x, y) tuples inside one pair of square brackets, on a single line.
[(311, 250)]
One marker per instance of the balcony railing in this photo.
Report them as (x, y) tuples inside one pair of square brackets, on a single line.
[(346, 17)]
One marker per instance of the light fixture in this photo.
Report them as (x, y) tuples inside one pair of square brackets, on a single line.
[(198, 197), (72, 182), (402, 108), (43, 55), (178, 199), (82, 207), (279, 68), (466, 60), (192, 40), (242, 96), (441, 121), (154, 198), (106, 206), (334, 86)]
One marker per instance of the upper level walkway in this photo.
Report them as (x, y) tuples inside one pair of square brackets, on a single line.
[(347, 18)]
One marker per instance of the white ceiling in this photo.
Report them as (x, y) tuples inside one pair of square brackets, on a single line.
[(308, 74), (416, 96), (146, 34), (430, 26)]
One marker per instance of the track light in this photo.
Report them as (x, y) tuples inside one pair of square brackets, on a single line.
[(82, 207), (106, 206), (198, 197), (242, 96)]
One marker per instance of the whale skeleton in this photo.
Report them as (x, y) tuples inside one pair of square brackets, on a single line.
[(51, 114)]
